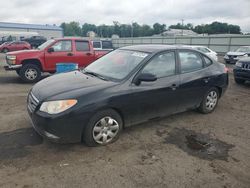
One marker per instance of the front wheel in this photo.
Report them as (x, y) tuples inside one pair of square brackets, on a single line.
[(30, 73), (103, 128), (210, 101)]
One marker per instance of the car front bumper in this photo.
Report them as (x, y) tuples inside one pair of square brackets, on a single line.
[(12, 67), (65, 128), (243, 74), (230, 60)]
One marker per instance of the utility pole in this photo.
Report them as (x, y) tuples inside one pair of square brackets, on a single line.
[(182, 23), (132, 30)]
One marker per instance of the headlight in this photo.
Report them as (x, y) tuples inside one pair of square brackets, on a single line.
[(238, 64), (11, 57), (226, 56), (245, 55), (56, 107)]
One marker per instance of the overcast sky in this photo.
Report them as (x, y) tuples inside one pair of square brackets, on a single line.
[(141, 11)]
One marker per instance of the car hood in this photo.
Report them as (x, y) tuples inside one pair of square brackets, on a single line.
[(29, 52), (245, 59), (236, 53), (72, 82)]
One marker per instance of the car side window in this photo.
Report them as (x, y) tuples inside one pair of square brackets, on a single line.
[(107, 45), (207, 61), (162, 65), (82, 46), (63, 46), (190, 61), (97, 44)]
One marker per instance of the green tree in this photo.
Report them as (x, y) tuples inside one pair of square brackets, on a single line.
[(72, 29), (159, 28), (217, 28)]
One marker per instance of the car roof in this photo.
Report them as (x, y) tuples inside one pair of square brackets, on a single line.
[(71, 38), (154, 48)]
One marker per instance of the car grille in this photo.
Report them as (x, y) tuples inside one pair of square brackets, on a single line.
[(232, 56), (32, 102), (245, 65)]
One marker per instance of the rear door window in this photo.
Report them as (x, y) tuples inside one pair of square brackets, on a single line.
[(96, 44), (190, 61), (207, 61), (107, 45), (82, 46)]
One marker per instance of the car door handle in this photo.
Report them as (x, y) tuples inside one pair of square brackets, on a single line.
[(88, 54), (206, 80), (173, 86), (70, 54)]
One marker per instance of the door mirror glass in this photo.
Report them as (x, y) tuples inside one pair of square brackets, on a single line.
[(51, 50), (145, 77)]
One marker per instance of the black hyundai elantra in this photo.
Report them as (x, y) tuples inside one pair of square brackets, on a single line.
[(128, 86)]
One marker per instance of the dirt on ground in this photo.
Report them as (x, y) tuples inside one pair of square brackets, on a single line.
[(185, 150)]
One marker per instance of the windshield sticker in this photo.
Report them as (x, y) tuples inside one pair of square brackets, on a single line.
[(139, 54)]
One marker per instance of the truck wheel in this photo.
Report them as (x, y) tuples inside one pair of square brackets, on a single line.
[(30, 73), (239, 81), (103, 128), (5, 50)]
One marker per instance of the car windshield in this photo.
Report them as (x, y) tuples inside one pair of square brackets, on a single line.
[(46, 44), (116, 65), (243, 49)]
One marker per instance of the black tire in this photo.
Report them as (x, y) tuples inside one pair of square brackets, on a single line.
[(29, 78), (239, 81), (204, 108), (5, 50), (88, 133)]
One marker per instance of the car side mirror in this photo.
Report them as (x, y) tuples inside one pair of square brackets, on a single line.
[(51, 50), (145, 77)]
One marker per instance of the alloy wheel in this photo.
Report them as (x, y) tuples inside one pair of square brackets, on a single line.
[(31, 74), (211, 100)]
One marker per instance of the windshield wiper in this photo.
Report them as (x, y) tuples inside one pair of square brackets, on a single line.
[(95, 74)]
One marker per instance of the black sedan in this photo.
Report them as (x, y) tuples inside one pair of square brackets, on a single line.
[(128, 86)]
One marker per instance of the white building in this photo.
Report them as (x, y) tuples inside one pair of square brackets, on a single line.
[(19, 30), (179, 32)]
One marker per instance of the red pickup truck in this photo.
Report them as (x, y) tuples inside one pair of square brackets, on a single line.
[(29, 64)]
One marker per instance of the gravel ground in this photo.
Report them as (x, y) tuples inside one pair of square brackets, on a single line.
[(154, 154)]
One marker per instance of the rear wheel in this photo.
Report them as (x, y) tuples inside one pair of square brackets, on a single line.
[(210, 101), (239, 81), (30, 73), (103, 128)]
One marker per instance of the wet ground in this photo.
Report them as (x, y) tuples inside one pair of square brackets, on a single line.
[(185, 150)]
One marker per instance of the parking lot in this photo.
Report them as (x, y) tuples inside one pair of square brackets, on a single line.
[(154, 154)]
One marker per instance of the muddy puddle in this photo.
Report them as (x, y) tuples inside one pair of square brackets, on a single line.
[(199, 145), (14, 144)]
